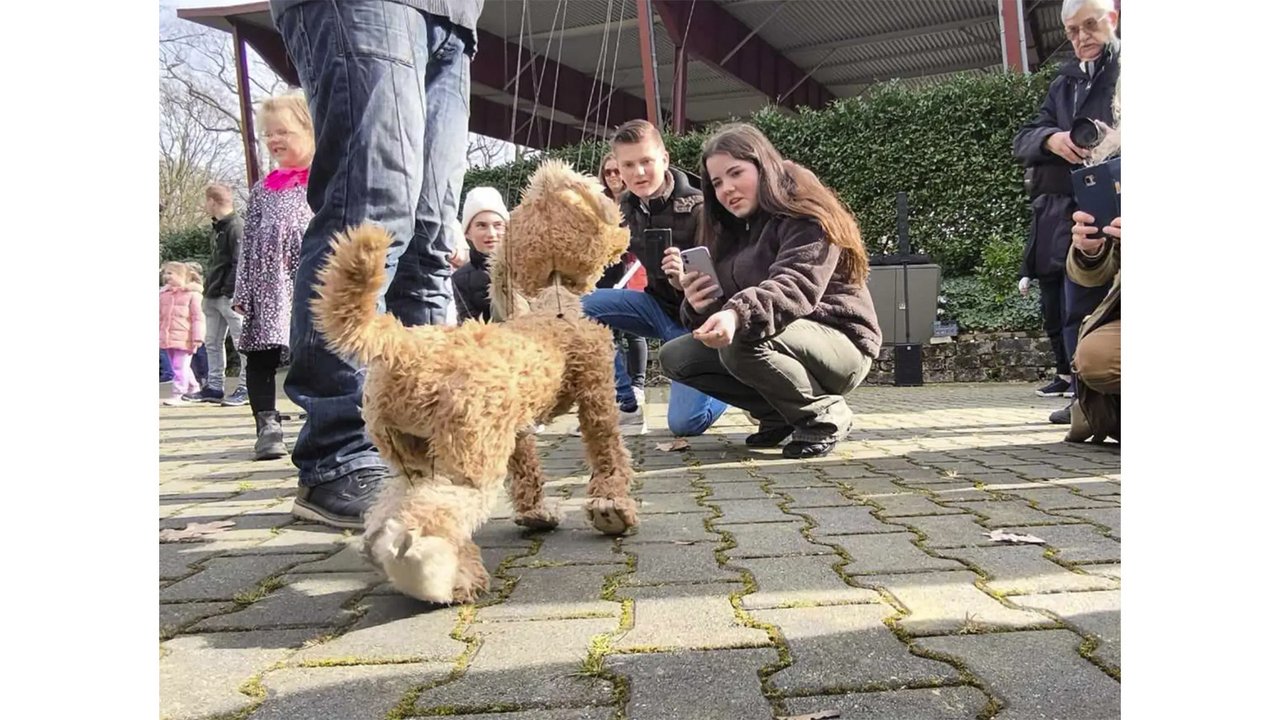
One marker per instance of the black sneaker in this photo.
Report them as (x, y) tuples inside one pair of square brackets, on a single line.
[(1061, 417), (341, 503), (1057, 388), (767, 438), (797, 449), (237, 398), (206, 394)]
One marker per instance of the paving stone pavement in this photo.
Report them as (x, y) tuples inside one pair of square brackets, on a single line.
[(756, 587)]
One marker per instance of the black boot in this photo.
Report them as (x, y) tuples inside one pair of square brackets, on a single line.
[(270, 444)]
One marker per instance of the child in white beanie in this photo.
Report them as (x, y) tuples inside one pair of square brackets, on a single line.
[(484, 223)]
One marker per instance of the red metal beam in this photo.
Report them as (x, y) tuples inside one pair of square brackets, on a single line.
[(574, 93), (648, 64), (713, 34), (1013, 44), (247, 135)]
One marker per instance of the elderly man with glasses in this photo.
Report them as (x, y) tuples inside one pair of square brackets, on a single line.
[(1083, 89)]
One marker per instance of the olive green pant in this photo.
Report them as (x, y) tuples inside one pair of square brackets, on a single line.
[(798, 377)]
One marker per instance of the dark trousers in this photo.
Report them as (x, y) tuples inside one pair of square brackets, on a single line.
[(1053, 309), (260, 379)]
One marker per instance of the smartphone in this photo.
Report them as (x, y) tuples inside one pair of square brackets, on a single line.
[(1097, 192), (654, 242), (699, 259)]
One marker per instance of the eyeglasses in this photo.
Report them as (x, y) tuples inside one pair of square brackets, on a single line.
[(1088, 27), (611, 171)]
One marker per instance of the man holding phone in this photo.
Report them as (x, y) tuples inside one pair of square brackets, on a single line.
[(662, 210), (1082, 90)]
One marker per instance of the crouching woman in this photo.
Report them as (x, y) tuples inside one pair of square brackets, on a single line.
[(793, 329)]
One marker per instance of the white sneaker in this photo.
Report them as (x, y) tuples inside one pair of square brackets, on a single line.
[(174, 401), (629, 423), (639, 391), (633, 423)]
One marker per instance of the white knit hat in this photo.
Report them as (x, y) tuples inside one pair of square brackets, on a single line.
[(482, 199)]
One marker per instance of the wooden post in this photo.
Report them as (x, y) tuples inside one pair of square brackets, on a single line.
[(253, 170)]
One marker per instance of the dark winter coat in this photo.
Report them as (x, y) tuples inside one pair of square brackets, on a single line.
[(1073, 94)]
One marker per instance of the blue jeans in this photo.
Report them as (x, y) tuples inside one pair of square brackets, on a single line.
[(389, 89), (689, 411)]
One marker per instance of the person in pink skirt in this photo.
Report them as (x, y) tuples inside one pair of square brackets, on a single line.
[(181, 326)]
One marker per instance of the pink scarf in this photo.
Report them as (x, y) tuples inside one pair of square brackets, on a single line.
[(285, 178)]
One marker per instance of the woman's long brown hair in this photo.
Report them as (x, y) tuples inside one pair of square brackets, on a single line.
[(786, 189)]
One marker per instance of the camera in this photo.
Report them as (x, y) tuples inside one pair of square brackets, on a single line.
[(1087, 133)]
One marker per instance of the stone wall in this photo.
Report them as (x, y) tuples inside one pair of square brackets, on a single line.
[(972, 357), (977, 357)]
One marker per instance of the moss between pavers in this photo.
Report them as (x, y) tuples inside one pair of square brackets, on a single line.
[(407, 707), (602, 644), (749, 586)]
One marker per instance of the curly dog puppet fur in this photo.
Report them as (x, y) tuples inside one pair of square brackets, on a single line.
[(451, 409)]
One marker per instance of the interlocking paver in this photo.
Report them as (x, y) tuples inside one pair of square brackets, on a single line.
[(316, 599), (710, 685), (909, 504), (687, 617), (1035, 674), (393, 628), (751, 511), (770, 540), (800, 580), (527, 664), (201, 675), (1023, 569), (658, 563), (554, 592), (224, 577), (359, 692), (845, 520), (950, 462), (1075, 543), (887, 553), (949, 602), (846, 646), (1096, 614), (945, 703)]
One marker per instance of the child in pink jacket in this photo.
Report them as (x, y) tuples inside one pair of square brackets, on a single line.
[(181, 326)]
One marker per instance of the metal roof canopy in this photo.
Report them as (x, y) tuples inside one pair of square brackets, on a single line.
[(574, 66)]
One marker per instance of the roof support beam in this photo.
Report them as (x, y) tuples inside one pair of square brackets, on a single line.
[(549, 84), (714, 36)]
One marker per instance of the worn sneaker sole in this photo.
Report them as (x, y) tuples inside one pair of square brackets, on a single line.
[(306, 511), (274, 452)]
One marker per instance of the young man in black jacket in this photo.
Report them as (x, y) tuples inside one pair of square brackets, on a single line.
[(1081, 90), (658, 197), (219, 286)]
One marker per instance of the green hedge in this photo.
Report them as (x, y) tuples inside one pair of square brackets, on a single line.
[(187, 245), (947, 145)]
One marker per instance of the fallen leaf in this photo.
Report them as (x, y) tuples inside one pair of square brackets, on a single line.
[(820, 715), (677, 444), (1002, 536), (194, 531)]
